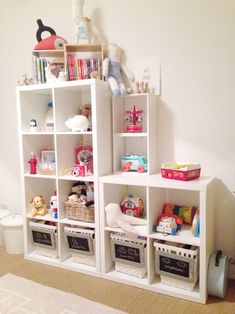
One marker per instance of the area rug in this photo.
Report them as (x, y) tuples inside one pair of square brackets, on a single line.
[(23, 296)]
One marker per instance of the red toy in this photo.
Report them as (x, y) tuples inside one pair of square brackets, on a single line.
[(33, 164), (50, 43), (134, 121)]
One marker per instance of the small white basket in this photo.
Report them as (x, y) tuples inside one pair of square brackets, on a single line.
[(81, 243), (177, 264), (129, 255), (44, 238)]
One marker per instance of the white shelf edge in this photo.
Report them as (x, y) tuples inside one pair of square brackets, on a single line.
[(73, 178), (46, 217), (142, 134), (142, 230), (73, 133), (37, 133), (39, 176), (69, 264), (77, 223)]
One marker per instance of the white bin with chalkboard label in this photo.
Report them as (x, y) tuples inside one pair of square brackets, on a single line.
[(44, 238), (177, 264), (81, 243), (129, 255)]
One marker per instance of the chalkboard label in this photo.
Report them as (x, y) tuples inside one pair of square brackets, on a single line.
[(83, 244), (42, 238), (174, 266), (129, 254)]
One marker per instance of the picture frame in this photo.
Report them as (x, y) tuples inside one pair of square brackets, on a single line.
[(48, 156), (47, 164)]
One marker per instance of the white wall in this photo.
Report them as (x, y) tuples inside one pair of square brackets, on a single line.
[(195, 40)]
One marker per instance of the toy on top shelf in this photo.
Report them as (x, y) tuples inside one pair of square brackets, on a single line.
[(78, 123), (134, 162), (133, 205), (181, 171), (50, 43), (133, 120), (33, 163), (168, 224), (112, 68), (38, 206), (85, 110)]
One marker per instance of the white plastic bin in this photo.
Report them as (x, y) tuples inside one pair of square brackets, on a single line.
[(3, 213), (12, 226)]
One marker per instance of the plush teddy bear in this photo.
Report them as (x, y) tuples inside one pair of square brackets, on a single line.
[(112, 68), (38, 206)]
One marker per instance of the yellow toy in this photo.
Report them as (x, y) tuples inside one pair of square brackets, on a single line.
[(38, 206)]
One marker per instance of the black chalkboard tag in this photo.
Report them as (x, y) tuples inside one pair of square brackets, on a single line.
[(43, 239), (80, 243), (128, 253)]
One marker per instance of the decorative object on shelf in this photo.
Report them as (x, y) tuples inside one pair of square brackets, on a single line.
[(78, 123), (83, 160), (54, 206), (218, 274), (177, 264), (50, 43), (133, 120), (33, 126), (134, 162), (25, 80), (86, 31), (181, 171), (79, 188), (47, 165), (115, 218), (38, 206), (33, 163), (49, 119), (141, 87), (133, 205), (196, 224), (112, 68), (85, 110), (83, 211), (168, 224), (187, 213), (53, 74)]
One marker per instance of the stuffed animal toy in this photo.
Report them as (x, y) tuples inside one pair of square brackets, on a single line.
[(86, 31), (112, 68), (38, 206), (50, 43), (115, 218)]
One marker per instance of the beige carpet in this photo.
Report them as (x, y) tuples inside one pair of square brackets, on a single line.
[(19, 295)]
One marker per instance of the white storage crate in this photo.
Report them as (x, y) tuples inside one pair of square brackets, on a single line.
[(177, 264), (44, 238), (81, 243), (129, 255)]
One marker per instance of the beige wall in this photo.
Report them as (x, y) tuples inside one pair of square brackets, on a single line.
[(196, 42)]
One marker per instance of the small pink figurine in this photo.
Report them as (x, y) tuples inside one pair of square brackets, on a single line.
[(134, 120), (33, 164)]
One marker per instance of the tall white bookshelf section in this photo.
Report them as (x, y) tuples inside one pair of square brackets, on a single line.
[(67, 97)]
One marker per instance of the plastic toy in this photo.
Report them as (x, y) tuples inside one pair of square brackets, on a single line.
[(78, 123), (112, 68), (133, 120), (54, 206), (196, 224), (134, 162), (33, 163), (185, 212), (38, 206), (83, 161), (85, 110), (115, 218), (133, 206), (168, 224), (33, 125), (50, 43), (181, 171)]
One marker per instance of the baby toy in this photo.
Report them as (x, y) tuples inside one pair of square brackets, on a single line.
[(52, 77), (86, 31), (54, 206), (85, 110), (115, 218), (168, 224), (33, 163), (78, 123), (33, 125), (133, 120), (196, 224), (133, 206), (79, 188), (50, 43), (134, 162), (83, 161), (185, 212), (38, 206), (112, 68)]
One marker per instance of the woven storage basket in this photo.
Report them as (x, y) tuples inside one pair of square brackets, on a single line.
[(77, 210)]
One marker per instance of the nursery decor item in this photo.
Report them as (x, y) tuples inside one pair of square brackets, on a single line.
[(33, 125), (47, 165), (133, 120), (50, 43), (25, 80), (85, 110), (78, 123), (112, 68), (134, 162), (38, 206), (181, 171), (187, 213), (115, 218), (33, 163), (83, 160), (168, 224), (51, 77), (133, 205), (54, 206)]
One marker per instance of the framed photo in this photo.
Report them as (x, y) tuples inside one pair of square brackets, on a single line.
[(47, 165), (147, 69)]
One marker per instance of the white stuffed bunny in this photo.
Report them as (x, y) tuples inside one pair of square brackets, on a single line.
[(112, 68)]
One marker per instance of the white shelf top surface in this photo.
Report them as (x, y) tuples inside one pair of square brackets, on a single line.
[(156, 180), (77, 223), (142, 230), (46, 217), (73, 178), (40, 176)]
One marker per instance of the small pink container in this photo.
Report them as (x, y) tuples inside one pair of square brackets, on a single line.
[(186, 173)]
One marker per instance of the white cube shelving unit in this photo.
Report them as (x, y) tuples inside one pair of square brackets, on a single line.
[(67, 97)]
